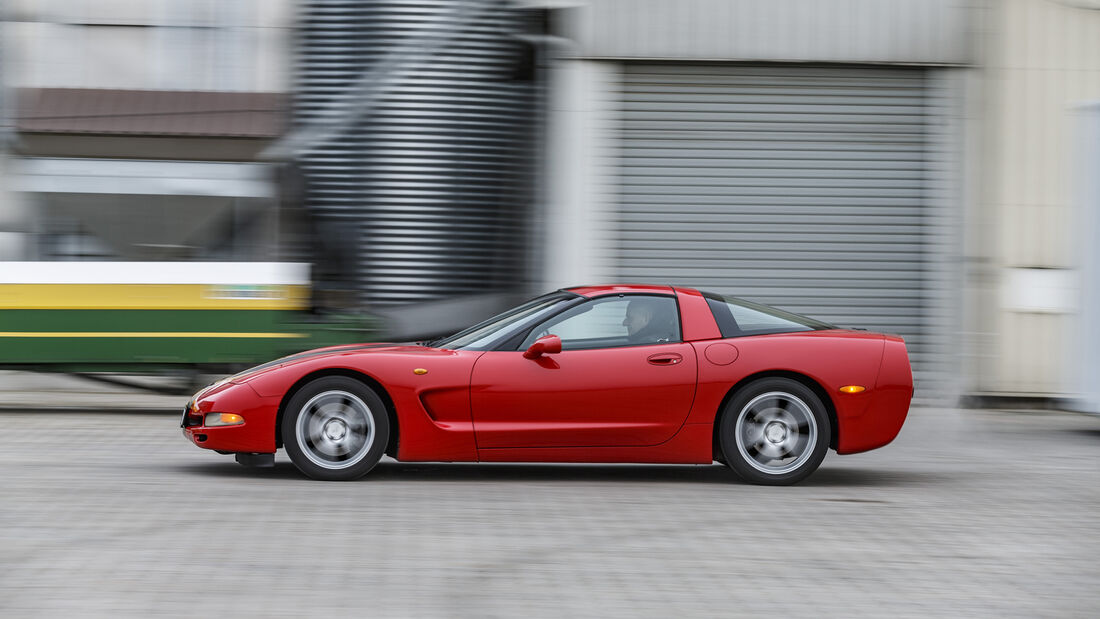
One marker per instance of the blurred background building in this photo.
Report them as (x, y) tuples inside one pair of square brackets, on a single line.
[(135, 128), (913, 166), (414, 136)]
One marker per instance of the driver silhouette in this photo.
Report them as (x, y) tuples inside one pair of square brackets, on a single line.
[(645, 322)]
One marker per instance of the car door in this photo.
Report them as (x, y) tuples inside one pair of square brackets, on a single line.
[(606, 388)]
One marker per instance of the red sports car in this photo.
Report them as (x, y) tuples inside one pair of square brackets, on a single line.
[(592, 374)]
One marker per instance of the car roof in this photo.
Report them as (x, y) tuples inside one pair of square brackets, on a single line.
[(595, 291)]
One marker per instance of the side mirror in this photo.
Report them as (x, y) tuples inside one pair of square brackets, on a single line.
[(545, 345)]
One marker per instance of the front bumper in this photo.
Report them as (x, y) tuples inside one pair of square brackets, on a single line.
[(255, 435)]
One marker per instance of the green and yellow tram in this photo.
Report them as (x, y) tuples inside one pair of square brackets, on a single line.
[(148, 316)]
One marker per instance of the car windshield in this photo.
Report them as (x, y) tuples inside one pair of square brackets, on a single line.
[(485, 335)]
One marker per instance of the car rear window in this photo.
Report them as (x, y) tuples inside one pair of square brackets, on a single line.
[(737, 317)]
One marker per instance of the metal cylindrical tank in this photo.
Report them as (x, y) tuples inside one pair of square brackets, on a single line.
[(425, 187)]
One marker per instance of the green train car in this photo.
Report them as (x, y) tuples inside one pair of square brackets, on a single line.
[(150, 316)]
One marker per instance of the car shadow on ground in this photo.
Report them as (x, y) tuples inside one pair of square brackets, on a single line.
[(545, 472), (413, 472), (826, 477), (1087, 432)]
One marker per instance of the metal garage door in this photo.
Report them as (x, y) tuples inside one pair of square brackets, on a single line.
[(800, 187)]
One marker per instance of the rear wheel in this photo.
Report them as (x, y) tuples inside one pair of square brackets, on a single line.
[(335, 429), (774, 431)]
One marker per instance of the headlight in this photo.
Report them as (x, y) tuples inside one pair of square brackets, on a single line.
[(214, 420)]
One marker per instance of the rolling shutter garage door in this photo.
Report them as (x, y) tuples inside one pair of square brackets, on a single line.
[(799, 187)]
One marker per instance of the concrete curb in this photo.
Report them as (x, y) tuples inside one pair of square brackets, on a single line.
[(7, 409), (43, 392)]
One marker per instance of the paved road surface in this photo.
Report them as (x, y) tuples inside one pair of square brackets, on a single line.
[(968, 513)]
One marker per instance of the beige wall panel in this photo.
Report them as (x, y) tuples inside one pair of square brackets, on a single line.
[(1041, 61), (1031, 363)]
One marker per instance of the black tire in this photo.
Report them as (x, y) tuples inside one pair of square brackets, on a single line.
[(335, 429), (783, 428)]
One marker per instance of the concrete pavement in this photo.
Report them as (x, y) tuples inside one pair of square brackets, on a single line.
[(968, 513)]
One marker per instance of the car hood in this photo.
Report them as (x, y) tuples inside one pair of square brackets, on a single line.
[(320, 353)]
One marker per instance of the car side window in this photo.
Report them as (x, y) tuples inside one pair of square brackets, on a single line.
[(737, 317), (611, 322)]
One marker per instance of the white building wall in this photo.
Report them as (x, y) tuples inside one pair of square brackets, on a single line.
[(228, 45), (893, 31), (937, 33), (1041, 61), (581, 174), (13, 216), (220, 45)]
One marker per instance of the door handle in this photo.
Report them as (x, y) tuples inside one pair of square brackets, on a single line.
[(665, 358)]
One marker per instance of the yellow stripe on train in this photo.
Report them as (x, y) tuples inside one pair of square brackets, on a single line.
[(218, 334), (153, 296)]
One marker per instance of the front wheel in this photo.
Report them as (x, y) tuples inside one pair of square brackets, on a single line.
[(775, 432), (335, 429)]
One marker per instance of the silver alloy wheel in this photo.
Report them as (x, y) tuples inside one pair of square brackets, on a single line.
[(335, 429), (776, 432)]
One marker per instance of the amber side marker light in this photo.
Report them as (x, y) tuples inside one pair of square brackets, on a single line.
[(223, 419), (852, 389)]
